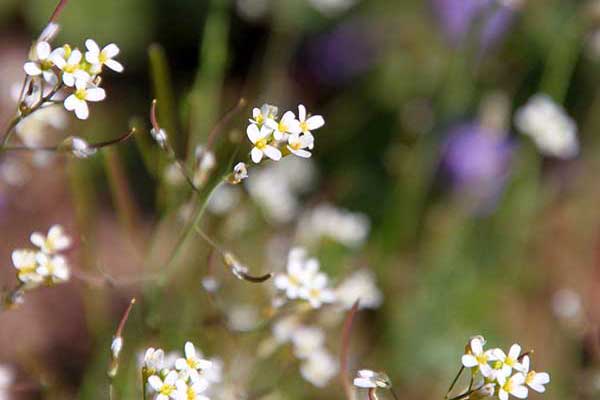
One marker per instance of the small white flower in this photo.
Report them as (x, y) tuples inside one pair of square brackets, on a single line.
[(310, 124), (84, 92), (317, 292), (153, 360), (214, 374), (299, 272), (165, 389), (54, 269), (371, 379), (116, 346), (533, 379), (547, 123), (80, 148), (307, 340), (286, 125), (297, 144), (319, 368), (483, 392), (509, 361), (192, 363), (285, 328), (348, 228), (260, 116), (69, 62), (25, 261), (513, 385), (159, 136), (40, 62), (477, 357), (106, 56), (190, 392), (360, 285), (240, 172), (54, 242), (260, 140)]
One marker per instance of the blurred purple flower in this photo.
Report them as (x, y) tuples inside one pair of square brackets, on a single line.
[(486, 19), (343, 53), (476, 159)]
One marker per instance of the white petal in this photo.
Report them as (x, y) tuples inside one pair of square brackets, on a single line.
[(111, 50), (70, 104), (256, 155), (190, 350), (272, 152), (92, 58), (542, 378), (171, 378), (503, 395), (37, 239), (43, 50), (92, 46), (315, 122), (75, 57), (486, 370), (32, 69), (476, 346), (81, 110), (515, 351), (180, 364), (69, 79), (519, 392), (155, 382), (253, 133), (114, 65), (364, 383), (301, 112), (95, 94), (366, 373), (300, 153)]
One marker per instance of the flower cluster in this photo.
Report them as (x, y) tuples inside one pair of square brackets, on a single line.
[(499, 374), (273, 137), (44, 265), (187, 378), (76, 71), (303, 280)]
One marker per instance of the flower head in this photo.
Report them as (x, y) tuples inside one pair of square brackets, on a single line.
[(69, 62), (53, 268), (192, 391), (307, 340), (41, 63), (317, 292), (98, 58), (165, 389), (261, 139), (371, 379), (307, 125), (78, 100), (192, 363), (240, 172), (509, 361), (319, 368), (298, 144), (299, 272), (533, 379), (160, 136), (286, 125), (153, 360), (476, 357), (25, 261), (261, 116), (513, 385), (54, 242)]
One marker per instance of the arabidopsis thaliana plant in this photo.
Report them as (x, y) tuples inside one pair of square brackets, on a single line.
[(477, 357), (316, 291), (513, 385), (84, 92), (70, 64), (299, 272), (260, 116), (309, 124), (297, 144), (55, 241), (165, 389), (287, 124), (40, 62), (191, 391), (260, 138), (509, 361), (192, 362), (99, 58), (533, 379)]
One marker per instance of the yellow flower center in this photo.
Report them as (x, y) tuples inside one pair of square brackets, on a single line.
[(46, 65), (102, 57), (314, 293), (282, 127), (191, 395), (304, 126), (81, 94), (192, 363), (166, 390), (482, 358), (261, 144), (295, 145), (260, 119), (70, 68), (530, 377)]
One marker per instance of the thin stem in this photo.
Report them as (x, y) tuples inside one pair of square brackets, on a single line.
[(465, 394), (58, 10), (394, 393), (345, 350), (460, 371)]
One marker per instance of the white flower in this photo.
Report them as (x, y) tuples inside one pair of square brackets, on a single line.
[(165, 389), (54, 242), (285, 328), (371, 379), (360, 285), (307, 340), (33, 130), (260, 140), (79, 147), (535, 380), (25, 261), (319, 368), (513, 385), (214, 374), (287, 124), (299, 272), (69, 61), (477, 357), (116, 346), (7, 378), (192, 362), (153, 360), (159, 136), (261, 115), (297, 144), (40, 62), (483, 392), (552, 130), (316, 291), (310, 124), (509, 361), (84, 92), (190, 392), (106, 56), (54, 269), (326, 221), (240, 172)]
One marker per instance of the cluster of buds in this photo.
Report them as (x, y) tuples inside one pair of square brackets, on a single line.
[(43, 265), (304, 281), (190, 378), (497, 374), (69, 70)]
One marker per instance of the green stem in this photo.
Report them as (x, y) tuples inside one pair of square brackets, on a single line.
[(460, 371)]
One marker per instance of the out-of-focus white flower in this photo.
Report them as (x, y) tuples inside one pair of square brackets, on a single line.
[(533, 379), (14, 172), (307, 125), (214, 374), (190, 392), (240, 172), (307, 341), (79, 147), (317, 292), (84, 92), (510, 360), (69, 62), (326, 221), (34, 129), (299, 273), (173, 175), (262, 147), (476, 357), (99, 58), (165, 389), (192, 363), (284, 328), (25, 261), (153, 360), (566, 304), (210, 284), (205, 162), (319, 368), (54, 242), (332, 8), (160, 136), (549, 126), (54, 269), (243, 317), (360, 285), (40, 62), (513, 385), (260, 116), (484, 392), (297, 144), (370, 379), (116, 346), (286, 125), (7, 378), (252, 9)]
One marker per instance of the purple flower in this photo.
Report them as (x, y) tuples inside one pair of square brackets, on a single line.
[(476, 159), (486, 19)]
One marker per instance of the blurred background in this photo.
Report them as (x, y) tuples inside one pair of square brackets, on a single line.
[(468, 227)]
